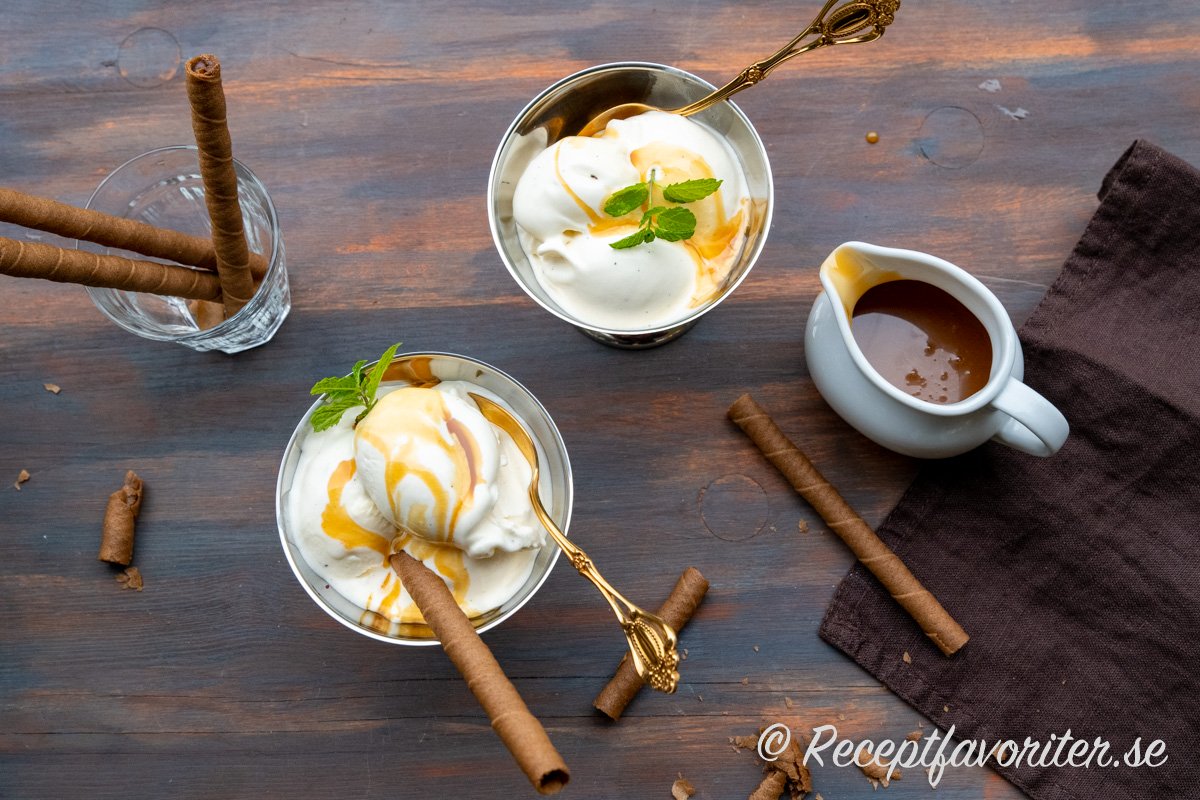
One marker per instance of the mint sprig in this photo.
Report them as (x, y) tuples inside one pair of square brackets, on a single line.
[(670, 223), (347, 391)]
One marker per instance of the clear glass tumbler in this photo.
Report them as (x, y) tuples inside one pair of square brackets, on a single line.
[(163, 188)]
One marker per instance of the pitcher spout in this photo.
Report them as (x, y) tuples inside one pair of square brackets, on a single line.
[(850, 270)]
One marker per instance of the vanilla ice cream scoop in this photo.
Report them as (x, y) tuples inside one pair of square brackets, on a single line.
[(565, 186), (428, 460), (435, 468), (558, 206), (632, 288)]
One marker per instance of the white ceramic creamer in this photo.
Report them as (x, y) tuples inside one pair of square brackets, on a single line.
[(1005, 409)]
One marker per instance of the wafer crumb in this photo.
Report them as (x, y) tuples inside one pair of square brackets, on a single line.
[(682, 788), (131, 578), (876, 773)]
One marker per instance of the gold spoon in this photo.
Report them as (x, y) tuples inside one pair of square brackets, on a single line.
[(651, 640), (849, 23)]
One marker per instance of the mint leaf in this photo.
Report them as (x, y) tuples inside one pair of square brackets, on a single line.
[(348, 391), (691, 191), (328, 415), (622, 201), (653, 213), (372, 383), (632, 240), (675, 224), (346, 383)]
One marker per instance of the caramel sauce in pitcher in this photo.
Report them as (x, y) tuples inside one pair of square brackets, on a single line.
[(923, 340)]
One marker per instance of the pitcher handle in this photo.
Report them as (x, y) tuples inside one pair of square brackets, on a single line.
[(1035, 425)]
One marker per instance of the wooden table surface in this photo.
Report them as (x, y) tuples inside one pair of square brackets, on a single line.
[(373, 125)]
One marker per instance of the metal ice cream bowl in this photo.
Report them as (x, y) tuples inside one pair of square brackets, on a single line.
[(557, 492), (562, 110)]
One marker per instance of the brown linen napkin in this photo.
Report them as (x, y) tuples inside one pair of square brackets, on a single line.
[(1078, 575)]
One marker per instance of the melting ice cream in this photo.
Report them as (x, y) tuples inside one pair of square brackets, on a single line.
[(558, 207), (426, 473)]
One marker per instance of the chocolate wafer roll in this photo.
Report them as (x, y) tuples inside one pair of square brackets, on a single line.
[(36, 260), (44, 214), (771, 786), (210, 125), (678, 609), (876, 556), (511, 719), (120, 521)]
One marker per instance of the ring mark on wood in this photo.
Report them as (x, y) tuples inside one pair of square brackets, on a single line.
[(733, 508), (951, 137), (149, 57)]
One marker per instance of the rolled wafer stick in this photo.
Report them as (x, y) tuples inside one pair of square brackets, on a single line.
[(520, 731), (51, 216), (211, 128), (677, 610), (36, 260), (876, 556), (120, 521)]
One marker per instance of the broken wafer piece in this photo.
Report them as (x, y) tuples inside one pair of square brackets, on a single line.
[(677, 610), (682, 789), (131, 578), (120, 521)]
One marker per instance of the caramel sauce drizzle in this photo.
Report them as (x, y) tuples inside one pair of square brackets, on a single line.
[(337, 522), (413, 433), (711, 246), (595, 218), (416, 371), (383, 607)]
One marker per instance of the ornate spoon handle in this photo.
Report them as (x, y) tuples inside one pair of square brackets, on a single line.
[(849, 23), (652, 642)]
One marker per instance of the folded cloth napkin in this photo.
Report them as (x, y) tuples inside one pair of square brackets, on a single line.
[(1078, 575)]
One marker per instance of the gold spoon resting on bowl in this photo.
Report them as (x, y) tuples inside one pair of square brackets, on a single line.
[(849, 23), (652, 642)]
